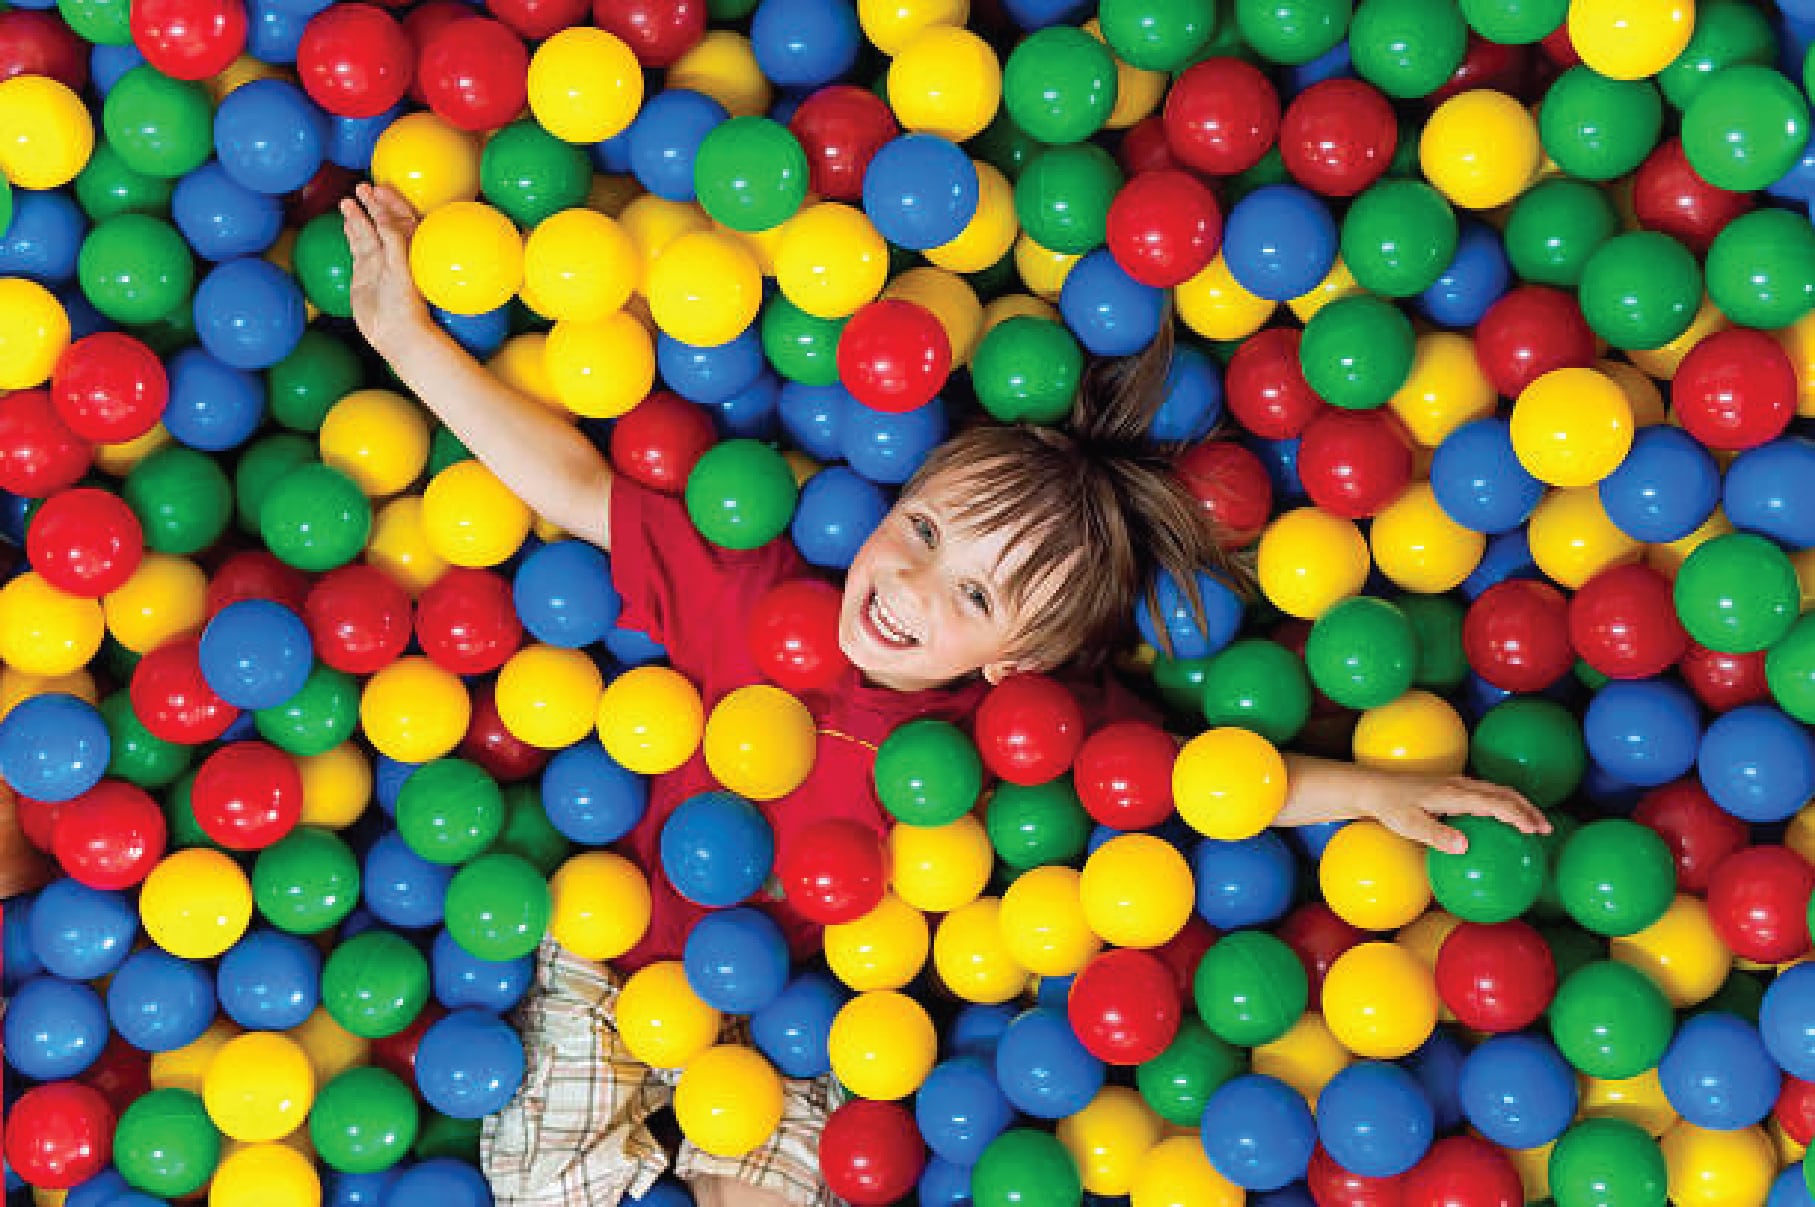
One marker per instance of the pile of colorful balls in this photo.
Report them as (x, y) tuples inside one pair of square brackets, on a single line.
[(1497, 347)]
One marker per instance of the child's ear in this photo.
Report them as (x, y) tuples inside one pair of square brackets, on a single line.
[(995, 672)]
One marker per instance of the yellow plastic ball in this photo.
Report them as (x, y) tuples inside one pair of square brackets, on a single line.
[(521, 363), (1380, 1002), (892, 24), (1572, 427), (119, 459), (1177, 1172), (973, 958), (1418, 732), (414, 711), (1309, 561), (661, 1020), (186, 1068), (760, 742), (653, 223), (1306, 1057), (471, 518), (1480, 149), (600, 368), (884, 949), (242, 71), (1630, 39), (1680, 952), (1043, 921), (430, 162), (950, 299), (937, 869), (1426, 934), (729, 1100), (44, 631), (650, 719), (882, 1045), (1799, 835), (945, 81), (1338, 283), (399, 546), (1572, 540), (1110, 1138), (467, 258), (166, 597), (34, 330), (378, 438), (1662, 362), (196, 903), (1041, 269), (1638, 1100), (1642, 394), (548, 697), (1137, 92), (16, 687), (990, 233), (723, 66), (1718, 1169), (705, 290), (1445, 389), (1533, 1167), (1017, 305), (46, 136), (1229, 783), (1214, 304), (337, 784), (1136, 890), (830, 260), (1798, 341), (585, 85), (1668, 559), (1373, 878), (330, 1047), (601, 905), (265, 1175), (581, 265), (1417, 546), (260, 1087)]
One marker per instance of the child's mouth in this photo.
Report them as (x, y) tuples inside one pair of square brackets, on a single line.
[(886, 628)]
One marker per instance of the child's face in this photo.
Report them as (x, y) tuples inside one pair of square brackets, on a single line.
[(923, 600)]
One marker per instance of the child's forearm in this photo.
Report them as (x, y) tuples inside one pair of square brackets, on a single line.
[(541, 458), (1320, 790)]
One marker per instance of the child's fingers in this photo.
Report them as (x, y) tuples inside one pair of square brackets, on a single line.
[(1422, 827), (1481, 799), (362, 236)]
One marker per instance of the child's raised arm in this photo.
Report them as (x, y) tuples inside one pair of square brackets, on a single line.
[(544, 460), (1407, 803)]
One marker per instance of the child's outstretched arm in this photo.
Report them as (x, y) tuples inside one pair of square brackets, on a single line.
[(1408, 804), (544, 460)]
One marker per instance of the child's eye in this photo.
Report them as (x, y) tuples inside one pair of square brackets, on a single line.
[(923, 529), (977, 598)]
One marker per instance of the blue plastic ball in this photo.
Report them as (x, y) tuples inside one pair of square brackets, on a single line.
[(888, 448), (256, 654), (98, 1191), (43, 239), (943, 1184), (1508, 555), (1770, 490), (53, 747), (213, 406), (1757, 764), (1718, 1074), (1258, 1132), (666, 1192), (753, 413), (564, 595), (1246, 883), (1280, 459), (360, 1189), (709, 376), (440, 1182), (589, 797), (1184, 636), (388, 779), (1666, 488), (462, 979), (960, 1109), (665, 140), (717, 849), (249, 313), (223, 219), (1374, 1119), (1193, 400), (1476, 278), (1279, 242), (1790, 1189), (837, 512), (1043, 1069), (159, 1003), (21, 962), (1110, 312), (1646, 732), (1478, 480), (793, 1030), (736, 960), (1786, 1021), (106, 64), (54, 1028), (978, 1029), (920, 191), (805, 43), (469, 1064), (400, 887), (633, 647), (1518, 1091), (81, 933), (270, 137), (480, 334), (351, 140), (1437, 1064), (813, 418), (270, 981)]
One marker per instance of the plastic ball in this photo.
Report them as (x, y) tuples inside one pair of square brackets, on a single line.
[(1374, 1120), (472, 73), (1221, 116), (1380, 1002), (59, 1135), (46, 136), (1752, 903), (55, 1028), (1708, 1167), (260, 1087), (1599, 1158), (1610, 1021), (1250, 988), (1309, 560), (1479, 149), (1258, 1133), (1136, 891), (830, 260), (1495, 977), (1627, 40), (195, 904), (882, 1045), (1745, 129), (1043, 1068)]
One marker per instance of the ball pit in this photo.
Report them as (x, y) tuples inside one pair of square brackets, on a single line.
[(1496, 355)]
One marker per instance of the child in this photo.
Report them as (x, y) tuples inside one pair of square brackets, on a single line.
[(1014, 549)]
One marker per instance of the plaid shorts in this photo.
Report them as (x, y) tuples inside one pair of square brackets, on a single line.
[(577, 1132)]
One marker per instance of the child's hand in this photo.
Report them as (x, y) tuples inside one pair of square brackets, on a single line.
[(386, 302), (1411, 805)]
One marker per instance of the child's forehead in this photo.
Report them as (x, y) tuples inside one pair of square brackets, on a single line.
[(1005, 538)]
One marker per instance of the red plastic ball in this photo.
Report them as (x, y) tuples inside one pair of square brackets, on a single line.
[(1333, 1186), (1124, 1006), (1516, 635), (1355, 463), (122, 1073), (358, 618), (420, 25), (841, 128), (894, 355), (660, 441), (1496, 977), (1736, 389), (1265, 387), (473, 73), (1487, 64), (397, 1053), (1123, 774), (1623, 623), (1463, 1171), (1668, 196), (1183, 952), (535, 20), (171, 698), (1758, 901), (85, 541), (39, 43), (870, 1153), (1559, 49), (1221, 116), (833, 871), (1529, 332), (1144, 148), (255, 575), (189, 39), (247, 795), (793, 635), (1724, 681), (657, 31), (39, 455), (109, 388), (1233, 487), (38, 821), (1029, 729), (59, 1135), (355, 60), (1164, 227), (1699, 833), (1795, 1109), (466, 621), (1318, 936), (497, 751), (1338, 137), (111, 836)]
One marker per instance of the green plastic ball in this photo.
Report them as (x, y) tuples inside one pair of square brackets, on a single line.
[(1292, 32), (1533, 746), (750, 174), (1027, 370), (324, 265), (445, 449), (1746, 127), (741, 494), (928, 773), (1031, 826), (1616, 877), (1738, 593), (179, 817), (302, 387), (375, 983), (1607, 1162), (1741, 995), (1180, 681), (1407, 48), (1496, 879), (135, 269), (498, 907), (1790, 670), (181, 498), (800, 346), (103, 22), (1761, 269), (1555, 226), (260, 465), (165, 1144), (315, 518), (1514, 22), (1157, 35), (1596, 128), (1022, 1167), (528, 834), (137, 755), (1357, 351), (158, 126), (1004, 146), (316, 719), (1177, 1084), (1610, 1021), (1260, 685), (445, 1136), (363, 1121), (1250, 988), (106, 187), (1062, 197), (1437, 635), (529, 174), (449, 811), (1727, 34), (306, 882), (1059, 84), (1640, 290), (1398, 237), (1361, 653)]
